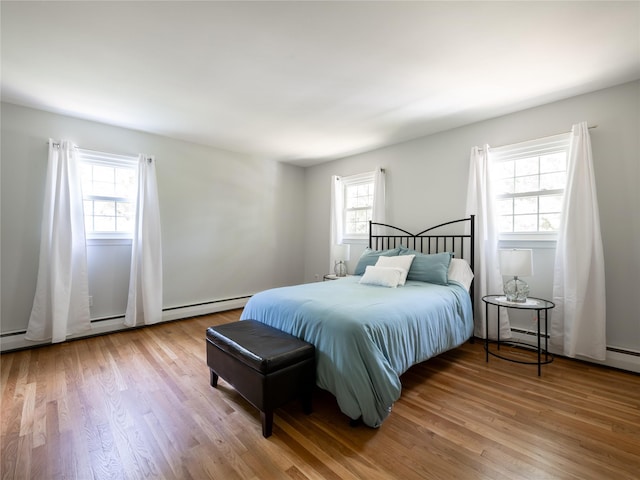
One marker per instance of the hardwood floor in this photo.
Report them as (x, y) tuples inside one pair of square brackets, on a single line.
[(138, 404)]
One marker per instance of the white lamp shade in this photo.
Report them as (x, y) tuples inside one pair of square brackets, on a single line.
[(341, 252), (516, 262)]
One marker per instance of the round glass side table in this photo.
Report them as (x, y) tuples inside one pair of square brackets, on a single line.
[(538, 305)]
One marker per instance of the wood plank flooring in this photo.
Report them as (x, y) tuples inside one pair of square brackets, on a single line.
[(138, 405)]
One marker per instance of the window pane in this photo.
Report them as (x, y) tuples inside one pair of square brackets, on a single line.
[(103, 174), (361, 216), (104, 208), (553, 162), (363, 190), (504, 169), (549, 222), (125, 217), (362, 201), (350, 216), (125, 182), (352, 197), (506, 223), (504, 206), (527, 166), (357, 221), (526, 184), (359, 196), (103, 180), (350, 223), (504, 186), (361, 228), (553, 181), (125, 209), (525, 205), (103, 189), (550, 203), (525, 223), (104, 223)]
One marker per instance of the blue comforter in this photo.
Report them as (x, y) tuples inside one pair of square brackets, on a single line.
[(367, 336)]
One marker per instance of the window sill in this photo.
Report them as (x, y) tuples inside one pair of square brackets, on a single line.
[(528, 240), (108, 241), (356, 241)]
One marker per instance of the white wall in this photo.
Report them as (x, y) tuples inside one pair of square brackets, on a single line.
[(230, 222), (427, 179)]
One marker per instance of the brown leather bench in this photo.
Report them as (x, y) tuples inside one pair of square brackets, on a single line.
[(266, 366)]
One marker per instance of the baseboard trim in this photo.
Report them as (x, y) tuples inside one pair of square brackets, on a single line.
[(624, 359), (621, 358), (17, 341)]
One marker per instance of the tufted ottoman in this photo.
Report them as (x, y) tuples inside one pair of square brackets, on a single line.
[(266, 366)]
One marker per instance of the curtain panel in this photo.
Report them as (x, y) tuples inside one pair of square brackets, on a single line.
[(578, 323), (379, 213), (144, 305), (487, 277), (61, 301), (337, 209)]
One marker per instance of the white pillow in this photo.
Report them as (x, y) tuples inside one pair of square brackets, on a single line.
[(382, 276), (460, 271), (400, 261)]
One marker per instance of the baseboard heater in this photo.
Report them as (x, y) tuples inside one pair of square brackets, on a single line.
[(15, 340), (533, 334), (201, 305), (617, 357)]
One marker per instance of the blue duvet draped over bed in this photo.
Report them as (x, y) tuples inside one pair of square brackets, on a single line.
[(367, 336)]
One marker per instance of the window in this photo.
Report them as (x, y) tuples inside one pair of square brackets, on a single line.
[(358, 205), (109, 189), (529, 181)]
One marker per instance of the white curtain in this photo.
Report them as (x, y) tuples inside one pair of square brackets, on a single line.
[(487, 279), (378, 213), (337, 205), (336, 230), (578, 323), (61, 302), (144, 305)]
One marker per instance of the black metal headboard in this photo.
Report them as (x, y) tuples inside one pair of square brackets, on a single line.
[(437, 239)]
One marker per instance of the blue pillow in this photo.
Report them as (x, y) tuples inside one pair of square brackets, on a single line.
[(370, 257), (432, 268)]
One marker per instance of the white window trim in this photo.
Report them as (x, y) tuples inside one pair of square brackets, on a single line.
[(108, 159), (360, 178), (529, 148)]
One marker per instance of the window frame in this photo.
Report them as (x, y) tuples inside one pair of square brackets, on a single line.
[(352, 181), (96, 158), (532, 148)]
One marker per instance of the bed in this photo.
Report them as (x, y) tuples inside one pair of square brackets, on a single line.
[(367, 334)]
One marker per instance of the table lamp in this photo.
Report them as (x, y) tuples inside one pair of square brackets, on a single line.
[(516, 262), (341, 255)]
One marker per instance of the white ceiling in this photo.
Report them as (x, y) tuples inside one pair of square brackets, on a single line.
[(305, 82)]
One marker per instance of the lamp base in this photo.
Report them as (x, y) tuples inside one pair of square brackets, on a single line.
[(516, 290), (340, 269)]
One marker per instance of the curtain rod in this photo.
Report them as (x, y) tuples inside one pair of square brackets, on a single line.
[(541, 138), (57, 144)]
